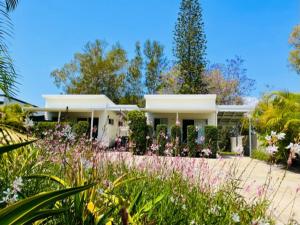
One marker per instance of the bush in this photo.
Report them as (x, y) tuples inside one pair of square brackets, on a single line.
[(260, 155), (42, 127), (191, 140), (138, 128), (224, 134), (176, 139), (161, 131), (81, 128), (211, 139)]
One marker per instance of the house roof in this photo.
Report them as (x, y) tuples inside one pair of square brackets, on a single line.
[(3, 97)]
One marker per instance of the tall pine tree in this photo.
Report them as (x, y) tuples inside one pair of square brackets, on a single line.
[(190, 46)]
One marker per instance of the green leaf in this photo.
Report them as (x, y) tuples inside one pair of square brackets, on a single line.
[(21, 209), (135, 202), (41, 214), (50, 177), (105, 217), (8, 148), (148, 206)]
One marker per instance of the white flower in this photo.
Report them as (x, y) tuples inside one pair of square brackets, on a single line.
[(281, 136), (235, 217), (271, 149), (294, 148), (17, 184), (147, 137), (28, 123), (86, 163), (100, 191), (193, 222), (184, 207), (261, 222), (215, 209), (172, 199), (268, 138), (273, 133)]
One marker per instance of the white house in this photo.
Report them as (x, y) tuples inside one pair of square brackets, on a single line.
[(100, 111)]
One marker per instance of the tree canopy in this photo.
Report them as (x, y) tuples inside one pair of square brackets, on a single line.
[(294, 41), (95, 71), (190, 47)]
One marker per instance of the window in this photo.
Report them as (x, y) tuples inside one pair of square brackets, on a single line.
[(120, 123), (110, 121), (160, 121)]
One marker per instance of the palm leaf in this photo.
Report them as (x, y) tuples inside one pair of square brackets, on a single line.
[(50, 177), (22, 209), (8, 148)]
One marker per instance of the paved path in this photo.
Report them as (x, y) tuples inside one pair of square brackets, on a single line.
[(282, 185)]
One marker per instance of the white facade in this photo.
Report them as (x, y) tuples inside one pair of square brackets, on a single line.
[(99, 110)]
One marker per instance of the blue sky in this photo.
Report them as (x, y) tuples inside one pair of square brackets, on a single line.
[(47, 33)]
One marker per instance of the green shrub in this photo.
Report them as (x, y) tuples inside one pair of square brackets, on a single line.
[(260, 155), (176, 139), (81, 128), (138, 128), (42, 127), (191, 140), (211, 139), (224, 134), (161, 133)]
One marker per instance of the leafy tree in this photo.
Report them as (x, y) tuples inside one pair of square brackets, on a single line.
[(155, 64), (170, 83), (7, 72), (95, 71), (133, 81), (229, 81), (280, 112), (190, 46), (294, 41)]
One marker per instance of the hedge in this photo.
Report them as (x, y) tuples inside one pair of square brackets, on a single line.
[(161, 132), (176, 134), (42, 127), (191, 140), (138, 128), (211, 139), (81, 128)]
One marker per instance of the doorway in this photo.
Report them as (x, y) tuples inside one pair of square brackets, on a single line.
[(185, 124)]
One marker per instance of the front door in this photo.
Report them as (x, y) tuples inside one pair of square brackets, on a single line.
[(185, 124)]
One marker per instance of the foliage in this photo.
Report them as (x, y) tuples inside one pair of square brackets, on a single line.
[(13, 115), (294, 41), (176, 139), (279, 111), (191, 140), (81, 128), (190, 46), (224, 134), (155, 64), (95, 71), (229, 81), (42, 127), (8, 74), (211, 138), (138, 128), (161, 135), (170, 83), (133, 81), (261, 155)]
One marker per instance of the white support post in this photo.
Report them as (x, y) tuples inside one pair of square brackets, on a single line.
[(250, 137), (92, 125), (59, 115)]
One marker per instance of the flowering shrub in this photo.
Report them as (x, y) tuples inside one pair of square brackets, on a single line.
[(211, 139), (162, 137), (191, 140)]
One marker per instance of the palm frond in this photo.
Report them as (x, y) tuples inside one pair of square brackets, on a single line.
[(11, 4)]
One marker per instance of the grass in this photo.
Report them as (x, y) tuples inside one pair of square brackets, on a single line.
[(260, 155)]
